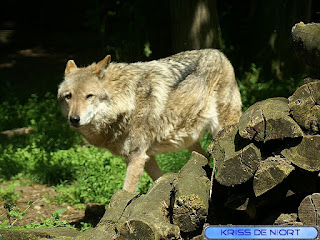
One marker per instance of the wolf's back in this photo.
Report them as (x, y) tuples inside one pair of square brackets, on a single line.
[(210, 69)]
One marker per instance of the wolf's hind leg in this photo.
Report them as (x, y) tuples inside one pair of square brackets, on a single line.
[(135, 167), (197, 148), (152, 168)]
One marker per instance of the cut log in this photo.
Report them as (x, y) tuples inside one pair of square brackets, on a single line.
[(270, 173), (288, 219), (309, 80), (306, 154), (106, 229), (233, 167), (309, 210), (191, 198), (305, 106), (306, 42), (148, 217), (267, 120)]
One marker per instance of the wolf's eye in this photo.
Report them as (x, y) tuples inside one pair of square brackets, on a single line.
[(68, 96), (89, 96)]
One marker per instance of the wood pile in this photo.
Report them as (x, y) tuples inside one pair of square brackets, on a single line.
[(267, 166)]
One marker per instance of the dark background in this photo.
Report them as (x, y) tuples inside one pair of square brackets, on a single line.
[(37, 38)]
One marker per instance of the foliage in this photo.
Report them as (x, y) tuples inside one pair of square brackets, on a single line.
[(43, 115), (8, 192), (53, 221), (254, 86), (98, 174)]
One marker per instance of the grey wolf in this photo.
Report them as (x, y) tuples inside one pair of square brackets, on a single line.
[(138, 110)]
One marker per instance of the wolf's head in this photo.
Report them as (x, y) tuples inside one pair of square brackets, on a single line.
[(81, 94)]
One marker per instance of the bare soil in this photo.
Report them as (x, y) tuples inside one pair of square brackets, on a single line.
[(42, 206)]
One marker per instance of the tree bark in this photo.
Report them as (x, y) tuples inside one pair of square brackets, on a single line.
[(148, 217), (191, 199)]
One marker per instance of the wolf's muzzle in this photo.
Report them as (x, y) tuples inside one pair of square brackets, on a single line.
[(74, 120)]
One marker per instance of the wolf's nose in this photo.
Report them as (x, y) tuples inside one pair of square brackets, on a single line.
[(75, 119)]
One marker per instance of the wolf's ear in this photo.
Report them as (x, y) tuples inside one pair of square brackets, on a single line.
[(70, 67), (102, 65)]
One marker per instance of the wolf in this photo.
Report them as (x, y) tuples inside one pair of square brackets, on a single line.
[(138, 110)]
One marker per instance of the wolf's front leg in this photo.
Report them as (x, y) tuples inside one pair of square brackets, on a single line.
[(135, 168)]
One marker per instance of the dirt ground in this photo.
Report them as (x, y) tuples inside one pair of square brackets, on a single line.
[(41, 207)]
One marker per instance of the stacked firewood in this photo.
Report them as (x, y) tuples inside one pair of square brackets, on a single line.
[(267, 166)]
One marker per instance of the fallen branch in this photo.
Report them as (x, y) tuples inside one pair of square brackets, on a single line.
[(17, 132)]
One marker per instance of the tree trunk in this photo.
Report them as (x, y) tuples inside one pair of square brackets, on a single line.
[(194, 25)]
